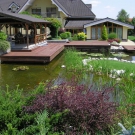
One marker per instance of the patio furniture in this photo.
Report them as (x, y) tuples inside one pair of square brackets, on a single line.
[(19, 38)]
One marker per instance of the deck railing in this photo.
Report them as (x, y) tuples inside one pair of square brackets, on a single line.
[(40, 38)]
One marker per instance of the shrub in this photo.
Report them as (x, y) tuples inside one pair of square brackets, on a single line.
[(75, 37), (54, 26), (117, 40), (104, 34), (4, 45), (3, 36), (68, 34), (112, 40), (64, 35), (81, 36), (112, 35), (88, 110)]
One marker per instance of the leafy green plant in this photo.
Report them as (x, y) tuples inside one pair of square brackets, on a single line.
[(3, 36), (68, 34), (4, 45), (81, 36), (54, 26), (112, 35), (64, 35), (104, 34), (41, 122), (75, 37)]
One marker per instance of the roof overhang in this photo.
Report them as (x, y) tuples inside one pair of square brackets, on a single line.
[(27, 4), (108, 20), (59, 8), (20, 18)]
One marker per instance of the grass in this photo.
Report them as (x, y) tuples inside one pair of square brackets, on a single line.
[(132, 38)]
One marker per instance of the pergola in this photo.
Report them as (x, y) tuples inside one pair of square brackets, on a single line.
[(15, 20)]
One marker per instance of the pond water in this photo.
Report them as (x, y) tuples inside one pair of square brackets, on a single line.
[(37, 73), (29, 79)]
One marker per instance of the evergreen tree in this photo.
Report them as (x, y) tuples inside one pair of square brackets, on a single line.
[(123, 16), (104, 35)]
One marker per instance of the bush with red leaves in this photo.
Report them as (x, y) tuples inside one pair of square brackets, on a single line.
[(88, 111), (111, 40)]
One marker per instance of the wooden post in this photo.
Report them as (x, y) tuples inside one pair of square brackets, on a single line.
[(35, 32), (45, 31), (40, 28), (10, 29), (27, 36)]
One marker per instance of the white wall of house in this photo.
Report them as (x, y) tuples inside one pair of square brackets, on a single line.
[(125, 29), (88, 29)]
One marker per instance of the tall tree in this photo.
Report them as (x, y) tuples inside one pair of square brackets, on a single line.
[(123, 16), (104, 35), (133, 23)]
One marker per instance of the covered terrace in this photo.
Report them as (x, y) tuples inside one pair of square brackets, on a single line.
[(23, 29)]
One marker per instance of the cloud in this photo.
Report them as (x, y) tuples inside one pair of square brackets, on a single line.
[(109, 8), (93, 2)]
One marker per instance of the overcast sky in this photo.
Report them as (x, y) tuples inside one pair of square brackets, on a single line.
[(110, 8)]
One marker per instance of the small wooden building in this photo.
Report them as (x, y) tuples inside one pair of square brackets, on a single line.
[(14, 23)]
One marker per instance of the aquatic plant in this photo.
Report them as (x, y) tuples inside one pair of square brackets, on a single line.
[(20, 68)]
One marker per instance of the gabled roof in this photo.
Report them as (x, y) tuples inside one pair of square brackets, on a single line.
[(95, 22), (80, 24), (77, 24), (74, 8), (7, 16), (5, 4)]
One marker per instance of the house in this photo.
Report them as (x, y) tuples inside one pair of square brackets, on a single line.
[(74, 15)]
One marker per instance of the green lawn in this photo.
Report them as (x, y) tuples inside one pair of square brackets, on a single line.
[(131, 38)]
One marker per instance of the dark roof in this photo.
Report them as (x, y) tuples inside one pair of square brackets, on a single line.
[(20, 17), (77, 24), (4, 4), (75, 8)]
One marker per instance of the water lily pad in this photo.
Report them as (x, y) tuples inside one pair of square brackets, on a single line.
[(95, 54), (20, 68), (120, 55)]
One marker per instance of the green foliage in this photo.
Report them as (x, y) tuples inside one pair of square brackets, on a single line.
[(72, 59), (75, 37), (112, 35), (68, 34), (3, 36), (64, 35), (13, 120), (81, 36), (41, 122), (4, 45), (33, 15), (131, 38), (123, 16), (54, 26), (104, 34)]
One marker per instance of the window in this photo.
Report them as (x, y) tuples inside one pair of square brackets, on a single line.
[(36, 11), (51, 12), (13, 7)]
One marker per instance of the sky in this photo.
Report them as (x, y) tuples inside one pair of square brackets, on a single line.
[(111, 8)]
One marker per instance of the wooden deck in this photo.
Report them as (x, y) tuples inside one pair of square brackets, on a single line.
[(41, 54), (48, 52), (89, 45), (129, 48)]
